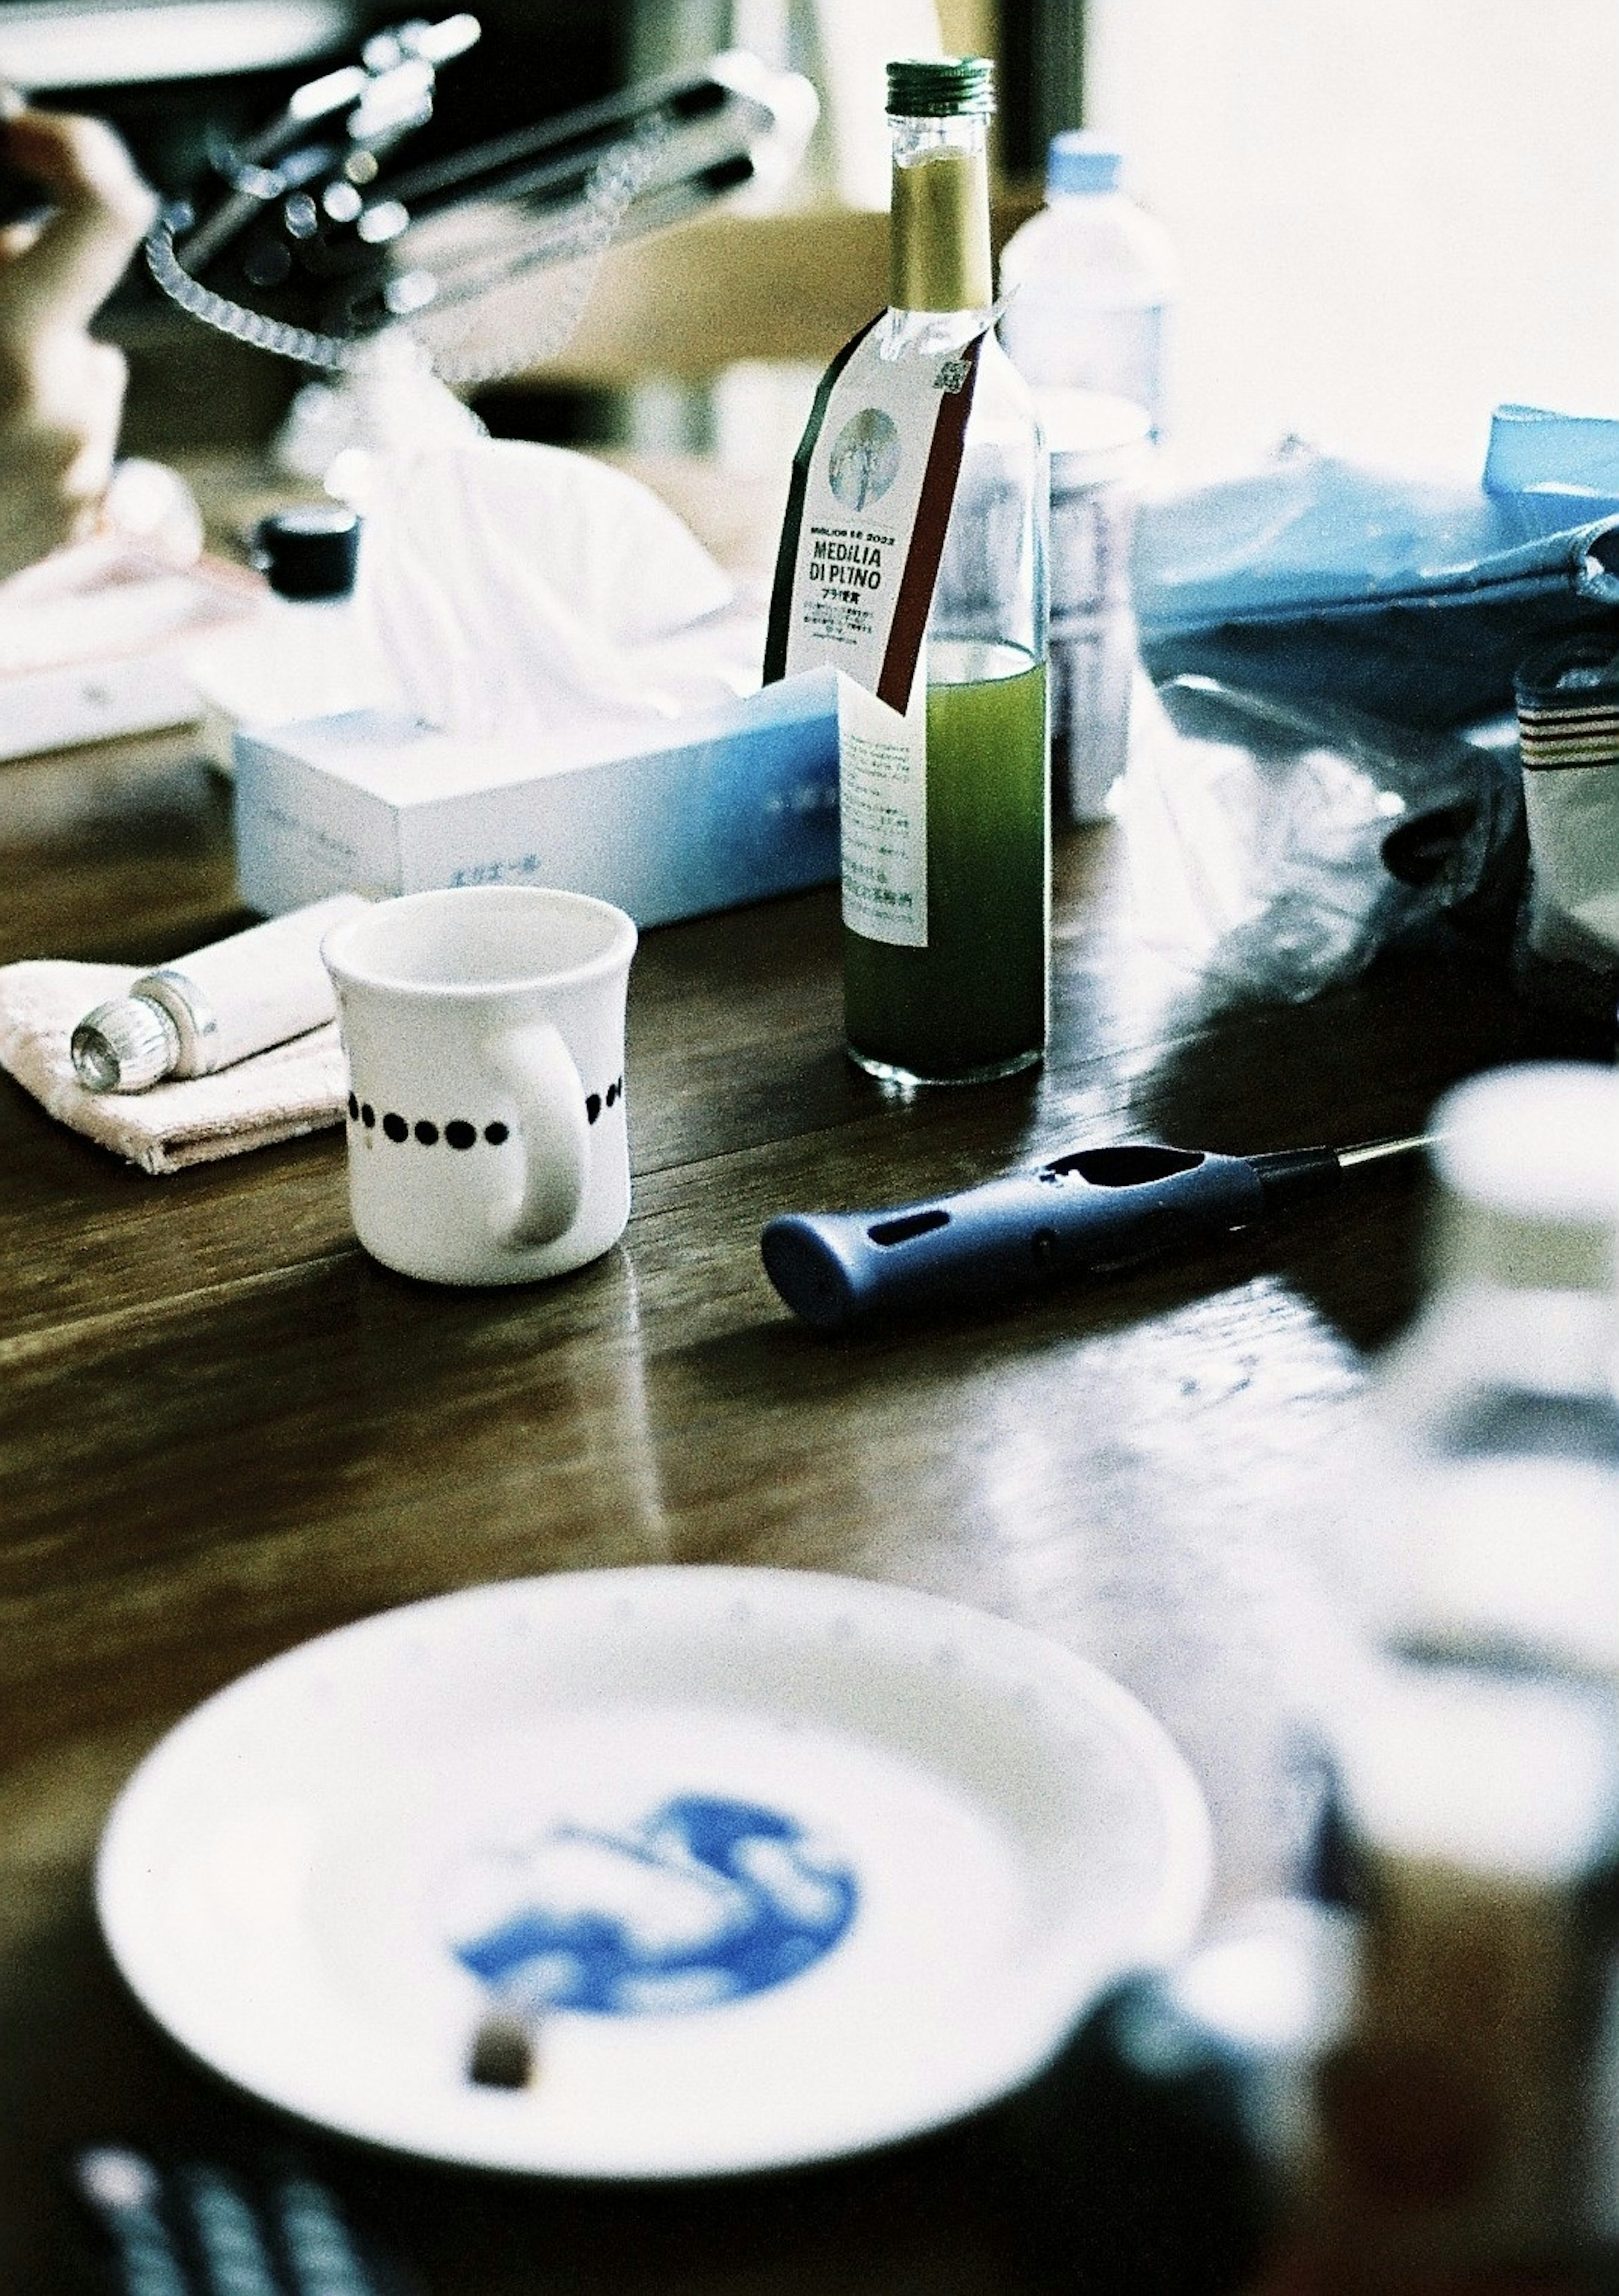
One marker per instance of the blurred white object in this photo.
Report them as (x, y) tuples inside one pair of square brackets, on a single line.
[(64, 708), (842, 48), (308, 652), (90, 637), (1528, 1164), (103, 599), (1091, 280), (853, 45), (1498, 1403), (151, 507), (1100, 454), (388, 400)]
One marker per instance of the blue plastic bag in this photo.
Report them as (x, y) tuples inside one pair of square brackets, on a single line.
[(1414, 601)]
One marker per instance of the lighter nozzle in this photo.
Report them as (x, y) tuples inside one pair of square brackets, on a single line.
[(1374, 1152)]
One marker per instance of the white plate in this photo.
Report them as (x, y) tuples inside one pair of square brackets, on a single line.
[(798, 1864)]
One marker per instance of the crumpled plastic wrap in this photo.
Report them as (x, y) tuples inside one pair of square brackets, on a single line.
[(1274, 850), (1299, 792)]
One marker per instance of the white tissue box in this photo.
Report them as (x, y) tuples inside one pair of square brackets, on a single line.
[(731, 808)]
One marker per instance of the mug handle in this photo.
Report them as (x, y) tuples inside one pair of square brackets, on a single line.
[(538, 1070)]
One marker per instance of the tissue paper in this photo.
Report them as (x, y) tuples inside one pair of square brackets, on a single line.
[(524, 592)]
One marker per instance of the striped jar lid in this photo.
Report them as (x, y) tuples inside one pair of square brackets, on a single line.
[(1569, 703)]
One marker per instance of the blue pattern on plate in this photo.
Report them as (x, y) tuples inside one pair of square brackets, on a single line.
[(707, 1901)]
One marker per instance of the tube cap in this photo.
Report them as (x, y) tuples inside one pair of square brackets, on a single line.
[(1079, 160), (941, 88), (310, 552), (124, 1045)]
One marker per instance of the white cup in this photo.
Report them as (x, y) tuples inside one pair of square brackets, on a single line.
[(485, 1033)]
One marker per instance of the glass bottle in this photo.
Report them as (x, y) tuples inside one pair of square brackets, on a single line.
[(1499, 1418), (1471, 1818), (1462, 2118), (1477, 1524), (970, 1004)]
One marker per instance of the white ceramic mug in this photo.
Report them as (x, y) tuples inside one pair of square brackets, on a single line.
[(485, 1033)]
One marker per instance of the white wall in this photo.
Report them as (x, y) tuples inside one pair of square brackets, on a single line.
[(1392, 213)]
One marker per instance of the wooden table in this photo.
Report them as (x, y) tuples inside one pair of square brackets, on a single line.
[(226, 1430)]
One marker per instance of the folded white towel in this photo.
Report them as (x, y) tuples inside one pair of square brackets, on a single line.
[(299, 1087)]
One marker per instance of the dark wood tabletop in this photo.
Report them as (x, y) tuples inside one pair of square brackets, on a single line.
[(226, 1430)]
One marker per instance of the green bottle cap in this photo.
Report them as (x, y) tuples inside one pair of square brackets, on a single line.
[(941, 88)]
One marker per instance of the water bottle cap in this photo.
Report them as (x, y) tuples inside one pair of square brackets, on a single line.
[(310, 552), (1080, 161)]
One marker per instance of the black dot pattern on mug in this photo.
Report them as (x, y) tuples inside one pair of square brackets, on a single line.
[(458, 1133), (595, 1102)]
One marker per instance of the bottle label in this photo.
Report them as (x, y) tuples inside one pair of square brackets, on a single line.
[(882, 802), (873, 481)]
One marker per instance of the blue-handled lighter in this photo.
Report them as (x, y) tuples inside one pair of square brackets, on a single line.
[(1079, 1215)]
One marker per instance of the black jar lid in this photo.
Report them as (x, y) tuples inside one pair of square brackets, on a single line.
[(309, 551)]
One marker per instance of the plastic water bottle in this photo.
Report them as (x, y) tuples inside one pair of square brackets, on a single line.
[(1091, 278), (1100, 455)]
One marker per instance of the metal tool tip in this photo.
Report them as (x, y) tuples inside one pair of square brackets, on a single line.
[(1374, 1152)]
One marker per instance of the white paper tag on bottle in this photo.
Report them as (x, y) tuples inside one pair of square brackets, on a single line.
[(882, 803), (874, 479)]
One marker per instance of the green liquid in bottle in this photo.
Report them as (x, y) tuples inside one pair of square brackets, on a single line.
[(972, 1005)]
